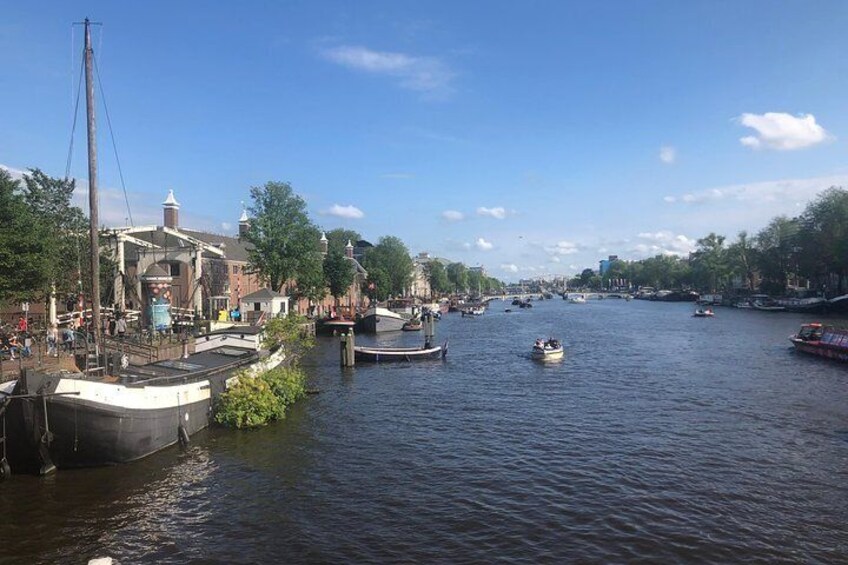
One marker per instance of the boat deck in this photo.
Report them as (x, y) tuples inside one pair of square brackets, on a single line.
[(179, 370)]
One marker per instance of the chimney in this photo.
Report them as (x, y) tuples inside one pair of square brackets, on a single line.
[(324, 243), (172, 211), (244, 222), (349, 249)]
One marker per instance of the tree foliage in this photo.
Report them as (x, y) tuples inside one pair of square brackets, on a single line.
[(283, 241), (337, 239), (339, 273), (289, 333), (23, 244), (437, 277), (390, 256), (458, 276)]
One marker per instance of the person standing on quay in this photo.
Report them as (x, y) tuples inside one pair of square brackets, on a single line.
[(52, 341), (121, 326), (22, 324)]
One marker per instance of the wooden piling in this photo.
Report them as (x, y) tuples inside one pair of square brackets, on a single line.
[(346, 349)]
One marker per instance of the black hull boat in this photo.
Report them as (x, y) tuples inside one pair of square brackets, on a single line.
[(398, 354), (69, 420), (378, 320)]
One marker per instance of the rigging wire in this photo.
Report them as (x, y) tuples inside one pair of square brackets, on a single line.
[(112, 135), (74, 125)]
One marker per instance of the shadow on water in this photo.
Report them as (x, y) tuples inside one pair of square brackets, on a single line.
[(658, 437)]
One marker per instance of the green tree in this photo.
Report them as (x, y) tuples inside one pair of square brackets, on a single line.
[(337, 239), (742, 259), (378, 285), (821, 248), (23, 244), (475, 281), (310, 282), (437, 276), (338, 274), (457, 274), (284, 242), (776, 248), (392, 257), (709, 262), (65, 257)]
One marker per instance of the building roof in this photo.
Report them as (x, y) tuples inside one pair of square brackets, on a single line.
[(171, 201), (262, 294)]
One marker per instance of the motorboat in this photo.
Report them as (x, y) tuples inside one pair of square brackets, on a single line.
[(474, 311), (547, 350), (823, 341), (703, 313), (578, 299), (413, 325)]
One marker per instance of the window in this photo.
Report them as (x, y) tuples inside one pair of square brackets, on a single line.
[(235, 269), (257, 306), (175, 269)]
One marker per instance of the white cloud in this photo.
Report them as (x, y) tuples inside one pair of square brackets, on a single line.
[(350, 211), (555, 259), (499, 212), (226, 226), (483, 245), (782, 131), (663, 242), (421, 74), (668, 154), (511, 267), (453, 215), (787, 190), (562, 248)]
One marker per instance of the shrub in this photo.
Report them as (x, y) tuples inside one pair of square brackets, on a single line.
[(287, 383), (248, 404)]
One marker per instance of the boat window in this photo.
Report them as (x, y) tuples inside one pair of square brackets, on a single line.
[(230, 351), (179, 365)]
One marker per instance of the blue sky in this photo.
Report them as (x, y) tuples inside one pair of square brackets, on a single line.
[(530, 137)]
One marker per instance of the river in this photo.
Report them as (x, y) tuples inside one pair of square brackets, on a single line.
[(659, 438)]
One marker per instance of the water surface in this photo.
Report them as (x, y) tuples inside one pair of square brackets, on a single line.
[(659, 438)]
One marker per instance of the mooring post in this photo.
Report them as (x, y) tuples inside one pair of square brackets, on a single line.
[(347, 343), (351, 343)]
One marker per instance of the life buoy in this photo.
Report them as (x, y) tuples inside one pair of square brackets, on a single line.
[(182, 435)]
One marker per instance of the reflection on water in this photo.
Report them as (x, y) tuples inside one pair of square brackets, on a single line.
[(659, 437)]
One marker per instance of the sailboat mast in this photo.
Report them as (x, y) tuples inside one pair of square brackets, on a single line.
[(92, 189)]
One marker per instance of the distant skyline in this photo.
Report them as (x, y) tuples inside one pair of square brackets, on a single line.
[(533, 138)]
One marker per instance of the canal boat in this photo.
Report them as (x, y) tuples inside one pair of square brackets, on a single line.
[(378, 320), (765, 303), (66, 420), (115, 412), (547, 350), (367, 354), (824, 341)]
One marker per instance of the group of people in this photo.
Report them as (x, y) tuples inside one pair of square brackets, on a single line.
[(225, 315), (16, 341), (542, 344)]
